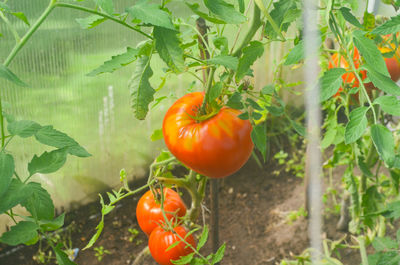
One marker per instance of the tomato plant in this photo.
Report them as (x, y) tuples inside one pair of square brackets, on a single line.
[(166, 246), (148, 209), (215, 144)]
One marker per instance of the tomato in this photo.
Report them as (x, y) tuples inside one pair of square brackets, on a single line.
[(348, 78), (216, 147), (161, 239), (148, 210)]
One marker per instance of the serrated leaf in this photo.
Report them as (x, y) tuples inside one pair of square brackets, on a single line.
[(90, 21), (21, 16), (10, 76), (382, 82), (195, 9), (150, 14), (296, 54), (331, 82), (389, 104), (291, 15), (259, 137), (235, 101), (228, 61), (183, 260), (48, 162), (49, 136), (278, 14), (329, 136), (357, 124), (349, 17), (116, 62), (250, 54), (20, 233), (51, 225), (106, 5), (99, 229), (217, 257), (384, 244), (168, 47), (384, 143), (61, 256), (203, 238), (7, 168), (173, 245), (370, 52), (23, 128), (140, 88), (16, 193), (389, 27), (225, 11), (39, 204)]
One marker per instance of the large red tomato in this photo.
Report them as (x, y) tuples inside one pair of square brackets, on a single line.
[(216, 147), (148, 210), (348, 78), (160, 240)]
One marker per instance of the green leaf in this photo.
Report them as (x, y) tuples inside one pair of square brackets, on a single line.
[(389, 104), (370, 52), (150, 14), (106, 5), (39, 204), (140, 89), (203, 238), (195, 9), (384, 244), (167, 46), (7, 168), (382, 82), (291, 15), (250, 54), (300, 129), (329, 136), (259, 137), (16, 193), (48, 162), (21, 16), (217, 257), (296, 54), (228, 61), (20, 233), (331, 82), (183, 260), (51, 225), (61, 256), (357, 124), (389, 27), (282, 9), (225, 11), (215, 91), (90, 21), (116, 62), (49, 136), (235, 101), (156, 135), (222, 44), (241, 6), (10, 76), (384, 143), (392, 210), (23, 128), (346, 13)]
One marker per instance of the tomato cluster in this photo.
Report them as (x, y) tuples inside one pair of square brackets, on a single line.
[(215, 146), (151, 220)]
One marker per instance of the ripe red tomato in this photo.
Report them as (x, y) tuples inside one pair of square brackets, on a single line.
[(160, 240), (148, 210), (216, 147), (348, 78)]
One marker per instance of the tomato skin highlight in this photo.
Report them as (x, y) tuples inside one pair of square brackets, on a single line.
[(216, 147), (149, 214), (160, 240)]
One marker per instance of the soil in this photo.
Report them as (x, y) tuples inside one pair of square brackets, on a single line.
[(254, 205)]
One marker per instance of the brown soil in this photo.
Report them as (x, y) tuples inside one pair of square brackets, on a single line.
[(254, 205)]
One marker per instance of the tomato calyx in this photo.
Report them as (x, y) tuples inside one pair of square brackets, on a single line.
[(203, 115)]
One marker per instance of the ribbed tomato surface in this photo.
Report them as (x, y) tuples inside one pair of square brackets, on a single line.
[(148, 210), (216, 147), (160, 240)]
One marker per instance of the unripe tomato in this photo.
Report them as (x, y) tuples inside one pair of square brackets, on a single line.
[(160, 240), (216, 147), (148, 210)]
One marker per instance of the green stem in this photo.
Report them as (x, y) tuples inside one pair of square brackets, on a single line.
[(12, 29), (208, 88), (275, 27), (92, 11), (363, 250), (255, 24)]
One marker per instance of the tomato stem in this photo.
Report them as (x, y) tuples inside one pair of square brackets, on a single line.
[(203, 109)]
